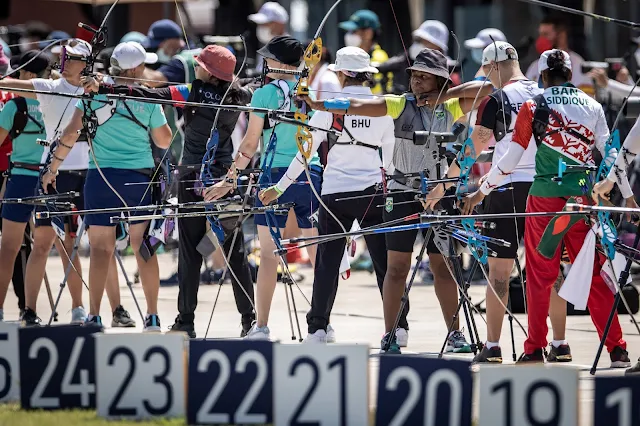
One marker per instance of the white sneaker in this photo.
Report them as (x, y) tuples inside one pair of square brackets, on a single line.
[(331, 334), (402, 337), (258, 333), (319, 337), (78, 315)]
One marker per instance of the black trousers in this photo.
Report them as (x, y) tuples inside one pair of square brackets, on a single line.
[(327, 271), (191, 231), (18, 271)]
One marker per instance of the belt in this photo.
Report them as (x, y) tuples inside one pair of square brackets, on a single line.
[(26, 166), (81, 173)]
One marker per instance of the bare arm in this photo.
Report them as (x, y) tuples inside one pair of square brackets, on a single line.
[(468, 92), (15, 86), (162, 136), (376, 107), (67, 140), (3, 135), (480, 137), (154, 78), (249, 144)]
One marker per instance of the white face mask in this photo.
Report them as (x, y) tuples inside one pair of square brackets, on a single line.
[(352, 39), (264, 34), (163, 58), (415, 49)]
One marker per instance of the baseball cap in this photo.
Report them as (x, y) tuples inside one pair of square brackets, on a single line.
[(218, 61), (498, 52), (77, 47), (131, 54), (484, 38), (54, 36), (135, 36), (361, 19), (542, 62), (434, 32), (353, 59), (160, 31), (33, 61), (284, 49), (270, 12), (431, 61)]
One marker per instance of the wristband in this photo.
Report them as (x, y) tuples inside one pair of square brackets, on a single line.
[(338, 103), (278, 190)]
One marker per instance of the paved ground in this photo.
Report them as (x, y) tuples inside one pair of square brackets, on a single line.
[(357, 318)]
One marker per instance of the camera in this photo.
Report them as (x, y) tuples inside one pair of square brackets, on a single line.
[(611, 65), (423, 136), (632, 108)]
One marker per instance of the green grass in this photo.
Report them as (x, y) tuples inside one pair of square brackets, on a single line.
[(12, 415)]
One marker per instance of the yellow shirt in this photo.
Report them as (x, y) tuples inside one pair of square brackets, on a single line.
[(396, 104), (379, 56)]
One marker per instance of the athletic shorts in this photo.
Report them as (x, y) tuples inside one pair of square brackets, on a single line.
[(305, 200), (19, 186), (400, 207), (66, 182), (98, 195), (503, 202)]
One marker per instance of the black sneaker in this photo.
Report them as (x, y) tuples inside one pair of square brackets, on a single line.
[(489, 356), (633, 370), (121, 318), (536, 357), (152, 324), (185, 327), (388, 346), (30, 319), (619, 358), (560, 354), (247, 323), (95, 321)]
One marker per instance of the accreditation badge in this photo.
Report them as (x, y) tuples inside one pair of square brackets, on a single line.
[(388, 204)]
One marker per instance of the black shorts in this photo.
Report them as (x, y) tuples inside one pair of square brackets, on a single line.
[(65, 182), (503, 202), (404, 241)]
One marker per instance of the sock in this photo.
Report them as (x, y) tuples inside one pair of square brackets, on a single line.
[(490, 345), (558, 343)]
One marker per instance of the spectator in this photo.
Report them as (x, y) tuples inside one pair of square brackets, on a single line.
[(135, 36), (34, 32), (166, 39), (553, 33), (55, 49), (363, 31), (477, 44), (272, 21)]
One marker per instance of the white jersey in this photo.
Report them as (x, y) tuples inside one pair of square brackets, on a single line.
[(57, 112), (518, 92), (349, 167)]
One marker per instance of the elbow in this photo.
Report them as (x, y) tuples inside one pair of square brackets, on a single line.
[(163, 137)]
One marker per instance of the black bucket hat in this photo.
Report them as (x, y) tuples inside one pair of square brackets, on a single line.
[(432, 62), (284, 49)]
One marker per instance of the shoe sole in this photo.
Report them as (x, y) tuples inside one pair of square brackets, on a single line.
[(260, 338), (382, 352), (561, 358), (464, 350), (490, 360), (153, 329), (621, 364), (121, 325)]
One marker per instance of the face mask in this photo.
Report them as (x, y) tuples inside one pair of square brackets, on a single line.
[(264, 35), (476, 55), (163, 58), (415, 49), (352, 39), (543, 44)]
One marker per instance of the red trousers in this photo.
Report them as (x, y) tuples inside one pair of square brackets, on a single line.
[(542, 274)]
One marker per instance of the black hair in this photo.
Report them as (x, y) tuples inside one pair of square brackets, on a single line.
[(235, 96), (442, 84), (557, 73), (359, 79), (559, 23)]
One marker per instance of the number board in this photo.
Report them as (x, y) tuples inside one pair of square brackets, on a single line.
[(9, 362), (423, 391), (617, 401), (321, 384), (230, 382), (57, 367), (528, 395), (141, 375)]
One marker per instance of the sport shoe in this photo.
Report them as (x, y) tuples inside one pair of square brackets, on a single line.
[(389, 347), (78, 315), (185, 327), (319, 337), (30, 319), (619, 358), (488, 356), (247, 322), (560, 354), (331, 334), (152, 324), (121, 318), (633, 370), (537, 357), (457, 343), (258, 333), (95, 321), (402, 337)]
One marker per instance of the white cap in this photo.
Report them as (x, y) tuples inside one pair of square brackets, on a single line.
[(498, 52), (484, 38), (542, 62), (352, 59), (131, 54), (75, 47), (270, 12), (434, 32)]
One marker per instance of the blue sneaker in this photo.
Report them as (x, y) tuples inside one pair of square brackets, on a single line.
[(94, 321), (393, 347), (152, 324)]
